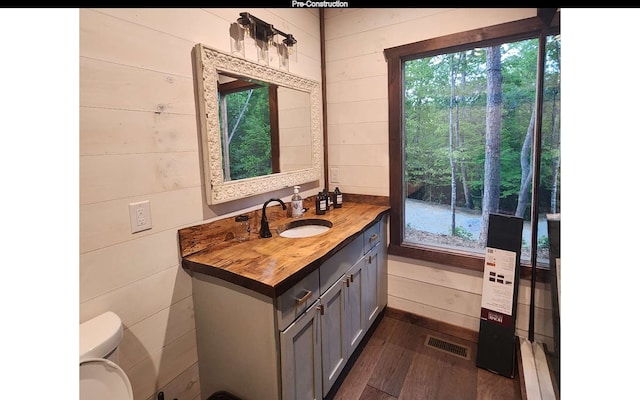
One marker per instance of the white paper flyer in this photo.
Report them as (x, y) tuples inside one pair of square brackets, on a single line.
[(499, 280)]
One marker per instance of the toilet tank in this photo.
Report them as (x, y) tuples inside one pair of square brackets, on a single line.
[(100, 337)]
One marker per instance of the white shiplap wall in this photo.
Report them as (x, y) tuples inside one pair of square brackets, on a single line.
[(357, 124), (139, 141)]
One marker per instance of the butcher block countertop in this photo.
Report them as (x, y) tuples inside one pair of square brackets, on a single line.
[(272, 265)]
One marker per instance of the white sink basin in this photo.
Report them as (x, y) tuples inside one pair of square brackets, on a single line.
[(304, 228)]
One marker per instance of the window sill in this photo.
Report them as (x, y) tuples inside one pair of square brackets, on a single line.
[(460, 259)]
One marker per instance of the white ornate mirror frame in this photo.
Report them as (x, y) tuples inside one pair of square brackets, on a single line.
[(208, 63)]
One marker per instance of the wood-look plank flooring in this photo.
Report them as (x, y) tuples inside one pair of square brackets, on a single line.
[(395, 364)]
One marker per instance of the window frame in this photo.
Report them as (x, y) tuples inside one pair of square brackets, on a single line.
[(529, 28)]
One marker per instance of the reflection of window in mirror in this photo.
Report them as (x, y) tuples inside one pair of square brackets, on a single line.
[(249, 128)]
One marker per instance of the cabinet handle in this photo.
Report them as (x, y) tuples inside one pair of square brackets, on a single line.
[(347, 281), (321, 308), (373, 237), (351, 277), (303, 298), (370, 259)]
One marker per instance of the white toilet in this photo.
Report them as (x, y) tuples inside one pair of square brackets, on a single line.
[(100, 376)]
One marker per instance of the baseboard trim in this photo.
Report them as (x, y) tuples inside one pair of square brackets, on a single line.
[(429, 323)]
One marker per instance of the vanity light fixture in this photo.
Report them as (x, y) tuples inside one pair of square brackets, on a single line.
[(266, 35), (289, 41)]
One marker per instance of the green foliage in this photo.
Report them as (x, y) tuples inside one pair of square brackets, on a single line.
[(462, 232), (250, 145), (427, 107), (543, 242)]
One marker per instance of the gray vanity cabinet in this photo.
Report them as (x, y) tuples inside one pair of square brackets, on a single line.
[(340, 308), (353, 302), (293, 347)]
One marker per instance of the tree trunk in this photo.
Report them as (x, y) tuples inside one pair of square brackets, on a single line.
[(526, 168), (460, 139), (468, 200), (555, 147), (244, 108), (491, 193), (227, 136)]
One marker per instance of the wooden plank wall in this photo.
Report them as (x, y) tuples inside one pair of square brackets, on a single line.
[(357, 125), (139, 141)]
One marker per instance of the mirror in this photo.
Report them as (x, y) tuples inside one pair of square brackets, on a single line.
[(264, 128), (293, 123)]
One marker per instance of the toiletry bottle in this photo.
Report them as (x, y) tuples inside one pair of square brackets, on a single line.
[(321, 204), (337, 198), (327, 199), (296, 203)]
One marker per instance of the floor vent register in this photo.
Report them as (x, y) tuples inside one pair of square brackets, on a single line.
[(448, 347)]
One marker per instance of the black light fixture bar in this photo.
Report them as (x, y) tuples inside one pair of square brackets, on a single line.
[(263, 31)]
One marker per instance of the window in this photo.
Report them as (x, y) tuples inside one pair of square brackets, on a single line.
[(464, 141)]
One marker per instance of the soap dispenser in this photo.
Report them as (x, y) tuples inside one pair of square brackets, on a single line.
[(296, 203)]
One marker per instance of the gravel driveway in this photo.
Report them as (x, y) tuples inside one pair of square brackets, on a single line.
[(436, 218)]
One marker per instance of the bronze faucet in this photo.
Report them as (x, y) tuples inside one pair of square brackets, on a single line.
[(264, 224)]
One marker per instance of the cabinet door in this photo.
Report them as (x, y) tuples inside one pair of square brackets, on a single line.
[(300, 357), (355, 323), (334, 343), (371, 285)]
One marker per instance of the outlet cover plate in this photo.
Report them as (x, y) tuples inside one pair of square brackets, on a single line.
[(334, 175), (140, 216)]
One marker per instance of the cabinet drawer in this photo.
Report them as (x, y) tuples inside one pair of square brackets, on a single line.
[(296, 300), (332, 269), (371, 237)]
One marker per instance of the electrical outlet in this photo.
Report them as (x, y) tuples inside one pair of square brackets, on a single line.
[(335, 175), (140, 215)]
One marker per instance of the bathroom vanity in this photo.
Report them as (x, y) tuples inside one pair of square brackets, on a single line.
[(278, 318)]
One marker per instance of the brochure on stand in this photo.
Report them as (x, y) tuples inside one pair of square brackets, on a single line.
[(498, 286)]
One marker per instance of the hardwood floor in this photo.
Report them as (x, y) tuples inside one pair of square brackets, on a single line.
[(395, 364)]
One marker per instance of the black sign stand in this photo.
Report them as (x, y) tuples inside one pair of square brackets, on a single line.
[(497, 339)]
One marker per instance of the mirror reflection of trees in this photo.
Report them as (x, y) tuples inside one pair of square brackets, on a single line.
[(245, 132), (264, 128)]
